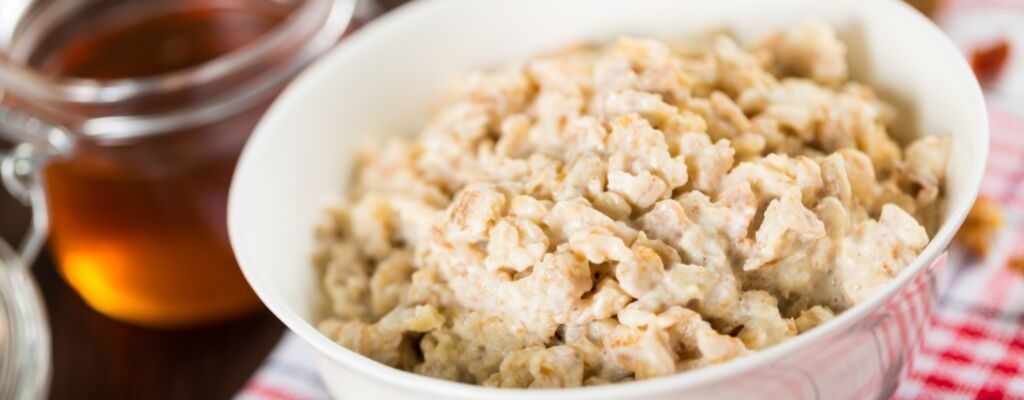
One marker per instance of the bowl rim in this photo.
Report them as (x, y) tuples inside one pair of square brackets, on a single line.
[(382, 27)]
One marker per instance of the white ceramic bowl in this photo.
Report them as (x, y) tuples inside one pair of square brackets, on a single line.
[(383, 79)]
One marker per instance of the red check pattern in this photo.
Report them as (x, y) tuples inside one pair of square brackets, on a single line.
[(973, 347), (973, 344)]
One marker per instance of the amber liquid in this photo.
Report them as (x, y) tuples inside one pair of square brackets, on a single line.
[(139, 230)]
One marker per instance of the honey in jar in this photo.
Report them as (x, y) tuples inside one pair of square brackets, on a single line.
[(137, 211)]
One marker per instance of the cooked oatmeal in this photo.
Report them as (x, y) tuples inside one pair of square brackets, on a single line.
[(606, 214)]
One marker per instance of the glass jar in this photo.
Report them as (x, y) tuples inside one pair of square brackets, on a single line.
[(24, 336), (157, 98), (24, 333)]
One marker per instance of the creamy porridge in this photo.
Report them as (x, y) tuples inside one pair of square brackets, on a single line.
[(604, 214)]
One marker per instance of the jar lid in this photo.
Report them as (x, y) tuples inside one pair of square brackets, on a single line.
[(24, 333)]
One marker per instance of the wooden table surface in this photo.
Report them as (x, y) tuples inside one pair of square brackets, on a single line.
[(95, 357)]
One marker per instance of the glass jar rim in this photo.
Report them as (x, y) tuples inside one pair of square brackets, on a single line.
[(316, 23)]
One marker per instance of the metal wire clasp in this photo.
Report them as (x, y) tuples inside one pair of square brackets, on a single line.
[(21, 168)]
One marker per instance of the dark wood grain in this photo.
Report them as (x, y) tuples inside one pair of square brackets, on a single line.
[(388, 5), (98, 358), (95, 357)]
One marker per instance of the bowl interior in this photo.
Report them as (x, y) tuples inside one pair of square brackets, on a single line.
[(383, 79)]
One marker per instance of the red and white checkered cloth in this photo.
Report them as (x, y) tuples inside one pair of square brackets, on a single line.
[(973, 347), (974, 344)]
